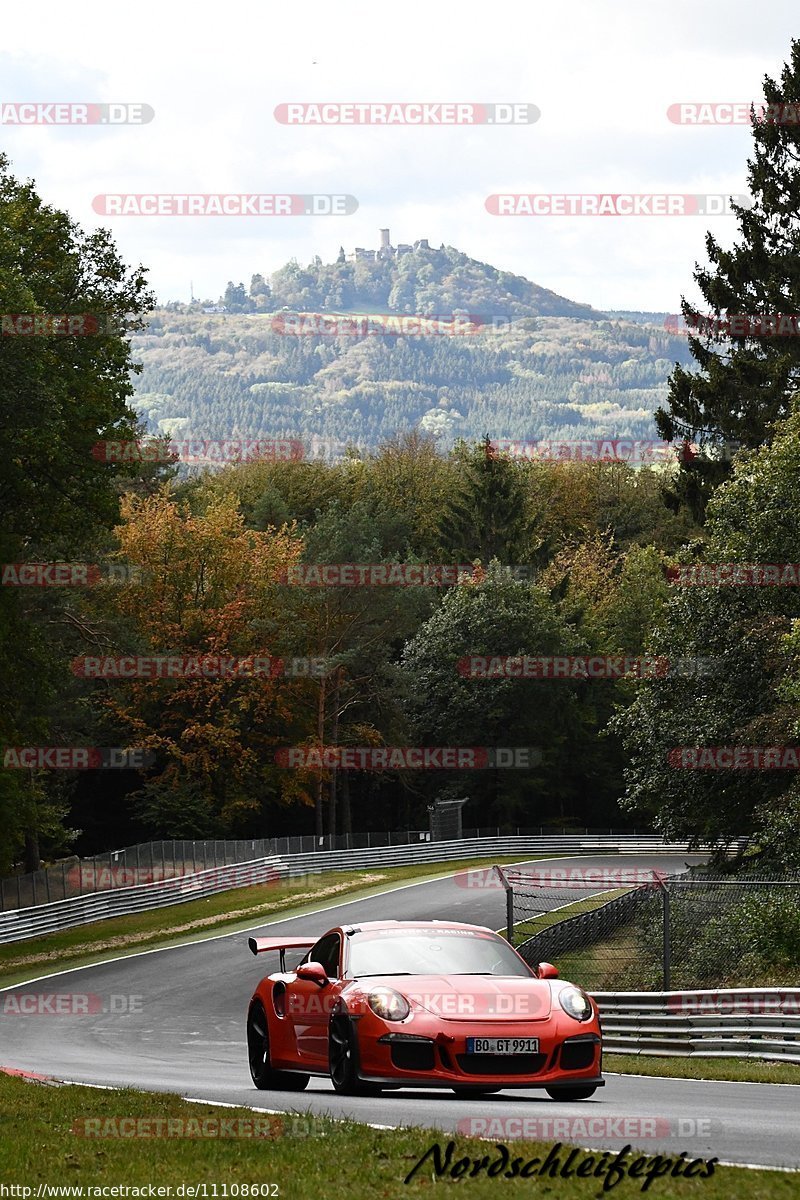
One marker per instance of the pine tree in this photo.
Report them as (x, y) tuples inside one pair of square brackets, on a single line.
[(746, 375), (489, 518)]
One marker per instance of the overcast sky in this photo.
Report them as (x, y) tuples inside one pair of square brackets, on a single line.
[(602, 73)]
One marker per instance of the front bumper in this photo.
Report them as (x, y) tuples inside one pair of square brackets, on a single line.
[(436, 1056)]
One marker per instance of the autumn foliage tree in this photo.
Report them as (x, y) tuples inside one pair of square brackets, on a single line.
[(207, 586)]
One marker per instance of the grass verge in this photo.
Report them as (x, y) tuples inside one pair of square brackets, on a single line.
[(526, 929), (193, 919), (43, 1139), (740, 1070)]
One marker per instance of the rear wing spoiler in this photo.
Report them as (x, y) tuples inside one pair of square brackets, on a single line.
[(282, 944)]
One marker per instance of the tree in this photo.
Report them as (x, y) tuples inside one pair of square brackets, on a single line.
[(745, 378), (498, 616), (260, 290), (236, 298), (208, 586), (488, 518), (745, 643), (60, 395), (358, 631)]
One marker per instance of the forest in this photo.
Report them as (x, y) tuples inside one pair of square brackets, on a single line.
[(207, 651), (539, 367)]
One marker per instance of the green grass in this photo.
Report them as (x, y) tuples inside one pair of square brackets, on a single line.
[(304, 1156), (741, 1070), (223, 913), (526, 929)]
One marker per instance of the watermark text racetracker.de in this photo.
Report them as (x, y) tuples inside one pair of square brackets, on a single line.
[(197, 666), (591, 1130), (733, 112), (581, 668), (446, 1004), (200, 450), (363, 325), (37, 112), (735, 758), (224, 204), (68, 1004), (77, 758), (67, 574), (598, 878), (770, 1002), (612, 204), (406, 113), (734, 325), (395, 574), (268, 1125), (734, 574), (42, 324), (627, 450), (408, 758), (97, 877)]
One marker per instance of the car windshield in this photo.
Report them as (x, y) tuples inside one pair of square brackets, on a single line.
[(432, 952)]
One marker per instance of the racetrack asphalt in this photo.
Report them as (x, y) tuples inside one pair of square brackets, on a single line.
[(173, 1020)]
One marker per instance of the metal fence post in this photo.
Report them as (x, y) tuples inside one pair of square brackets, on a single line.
[(509, 904)]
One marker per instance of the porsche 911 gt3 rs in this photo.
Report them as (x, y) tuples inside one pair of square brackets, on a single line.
[(391, 1004)]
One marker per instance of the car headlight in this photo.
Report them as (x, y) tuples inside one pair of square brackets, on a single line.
[(575, 1003), (387, 1003)]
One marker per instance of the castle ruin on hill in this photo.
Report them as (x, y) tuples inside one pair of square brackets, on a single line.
[(386, 250)]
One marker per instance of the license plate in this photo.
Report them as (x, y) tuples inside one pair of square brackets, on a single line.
[(476, 1045)]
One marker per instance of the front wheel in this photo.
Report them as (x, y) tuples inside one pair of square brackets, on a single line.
[(343, 1060), (261, 1071), (575, 1093)]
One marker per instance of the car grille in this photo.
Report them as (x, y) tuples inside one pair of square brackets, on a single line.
[(412, 1056), (501, 1064)]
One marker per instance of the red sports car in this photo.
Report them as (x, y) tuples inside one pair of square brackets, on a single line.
[(391, 1004)]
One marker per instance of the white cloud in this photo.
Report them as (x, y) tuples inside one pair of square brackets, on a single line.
[(602, 75)]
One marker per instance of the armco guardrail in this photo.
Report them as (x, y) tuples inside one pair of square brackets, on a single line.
[(151, 862), (65, 914), (757, 1023)]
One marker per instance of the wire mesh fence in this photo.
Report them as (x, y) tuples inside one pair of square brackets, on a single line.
[(690, 930), (151, 862)]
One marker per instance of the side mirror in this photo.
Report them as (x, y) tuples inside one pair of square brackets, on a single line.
[(547, 971), (313, 971)]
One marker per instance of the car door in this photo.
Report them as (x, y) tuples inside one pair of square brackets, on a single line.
[(309, 1004)]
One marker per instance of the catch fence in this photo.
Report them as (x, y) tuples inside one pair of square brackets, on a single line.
[(155, 862), (627, 932)]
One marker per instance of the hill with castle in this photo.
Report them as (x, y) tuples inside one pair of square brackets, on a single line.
[(546, 366)]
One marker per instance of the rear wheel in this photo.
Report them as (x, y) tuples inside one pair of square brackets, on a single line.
[(465, 1092), (343, 1060), (261, 1071), (574, 1093)]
